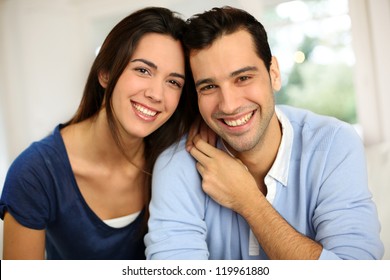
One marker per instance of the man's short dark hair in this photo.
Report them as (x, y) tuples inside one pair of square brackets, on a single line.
[(204, 28)]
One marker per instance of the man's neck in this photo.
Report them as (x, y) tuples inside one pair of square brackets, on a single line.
[(260, 159)]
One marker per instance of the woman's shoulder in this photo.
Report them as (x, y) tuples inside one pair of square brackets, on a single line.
[(51, 146), (39, 160), (27, 184)]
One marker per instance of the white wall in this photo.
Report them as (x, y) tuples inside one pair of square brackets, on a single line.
[(371, 42), (45, 58)]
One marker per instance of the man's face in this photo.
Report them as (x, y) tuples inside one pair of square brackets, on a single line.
[(235, 90)]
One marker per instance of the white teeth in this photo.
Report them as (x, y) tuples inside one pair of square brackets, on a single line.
[(144, 110), (240, 121)]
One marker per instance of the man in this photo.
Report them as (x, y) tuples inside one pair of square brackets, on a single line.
[(284, 183)]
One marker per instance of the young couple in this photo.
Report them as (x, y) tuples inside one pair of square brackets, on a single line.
[(266, 182)]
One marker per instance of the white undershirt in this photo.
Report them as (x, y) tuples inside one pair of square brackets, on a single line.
[(122, 221)]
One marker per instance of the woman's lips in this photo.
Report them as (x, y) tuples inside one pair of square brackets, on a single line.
[(143, 112)]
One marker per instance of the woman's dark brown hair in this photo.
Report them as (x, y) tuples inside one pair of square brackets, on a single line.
[(113, 57)]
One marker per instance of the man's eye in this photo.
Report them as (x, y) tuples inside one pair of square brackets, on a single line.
[(207, 88), (243, 78)]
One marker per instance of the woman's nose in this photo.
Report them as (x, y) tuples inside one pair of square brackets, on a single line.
[(155, 92)]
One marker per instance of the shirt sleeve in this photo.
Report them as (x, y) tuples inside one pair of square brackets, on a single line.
[(177, 229), (346, 219), (24, 194)]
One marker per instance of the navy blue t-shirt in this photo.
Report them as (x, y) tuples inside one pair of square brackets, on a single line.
[(41, 192)]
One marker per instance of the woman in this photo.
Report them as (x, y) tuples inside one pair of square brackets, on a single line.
[(83, 192)]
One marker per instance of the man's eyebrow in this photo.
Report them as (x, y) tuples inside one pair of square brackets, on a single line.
[(233, 74), (243, 70), (203, 81), (151, 64)]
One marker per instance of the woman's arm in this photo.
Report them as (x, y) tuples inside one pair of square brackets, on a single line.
[(21, 242)]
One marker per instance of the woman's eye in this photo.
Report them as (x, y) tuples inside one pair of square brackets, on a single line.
[(143, 71), (175, 83)]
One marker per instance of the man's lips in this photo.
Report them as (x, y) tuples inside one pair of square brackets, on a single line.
[(238, 121)]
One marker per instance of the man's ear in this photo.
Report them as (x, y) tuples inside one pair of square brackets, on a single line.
[(103, 79), (274, 72)]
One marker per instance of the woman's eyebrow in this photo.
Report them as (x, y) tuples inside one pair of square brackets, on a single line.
[(154, 66), (147, 62), (178, 75)]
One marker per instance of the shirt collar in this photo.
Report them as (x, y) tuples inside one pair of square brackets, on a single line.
[(280, 169)]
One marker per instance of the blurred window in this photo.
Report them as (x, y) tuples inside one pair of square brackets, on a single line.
[(312, 41)]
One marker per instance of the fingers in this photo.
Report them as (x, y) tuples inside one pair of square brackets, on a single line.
[(199, 155), (200, 168), (203, 132), (194, 130), (212, 139), (199, 127), (205, 147), (207, 134), (239, 161)]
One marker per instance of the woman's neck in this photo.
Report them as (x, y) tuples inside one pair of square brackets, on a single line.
[(93, 138)]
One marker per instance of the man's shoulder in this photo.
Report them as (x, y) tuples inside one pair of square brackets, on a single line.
[(308, 121), (304, 116), (319, 131), (176, 155)]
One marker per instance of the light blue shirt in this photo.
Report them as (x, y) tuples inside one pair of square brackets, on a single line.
[(318, 184)]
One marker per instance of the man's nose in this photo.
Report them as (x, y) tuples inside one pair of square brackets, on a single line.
[(228, 102)]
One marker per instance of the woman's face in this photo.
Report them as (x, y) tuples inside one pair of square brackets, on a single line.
[(148, 91)]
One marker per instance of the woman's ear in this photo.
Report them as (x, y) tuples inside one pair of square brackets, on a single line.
[(103, 79), (274, 72)]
